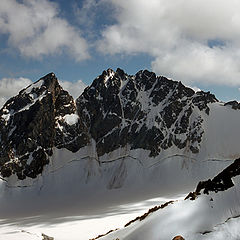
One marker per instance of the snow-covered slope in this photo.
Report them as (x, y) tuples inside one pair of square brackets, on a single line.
[(212, 212), (137, 136)]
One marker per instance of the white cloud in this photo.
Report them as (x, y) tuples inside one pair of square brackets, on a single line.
[(92, 16), (35, 29), (199, 63), (10, 87), (176, 34), (87, 13), (74, 88)]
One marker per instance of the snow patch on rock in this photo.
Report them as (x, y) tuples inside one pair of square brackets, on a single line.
[(71, 119)]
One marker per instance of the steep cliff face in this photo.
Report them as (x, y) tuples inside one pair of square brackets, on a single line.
[(31, 123), (143, 111)]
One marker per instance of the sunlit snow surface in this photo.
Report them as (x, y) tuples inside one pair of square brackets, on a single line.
[(214, 216), (88, 190), (202, 219), (75, 228), (71, 119)]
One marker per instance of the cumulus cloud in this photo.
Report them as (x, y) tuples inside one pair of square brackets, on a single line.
[(199, 63), (10, 87), (192, 41), (86, 14), (74, 88), (35, 29), (92, 16)]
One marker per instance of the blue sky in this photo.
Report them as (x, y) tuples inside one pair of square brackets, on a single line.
[(195, 41)]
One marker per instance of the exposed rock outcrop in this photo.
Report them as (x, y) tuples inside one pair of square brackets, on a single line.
[(234, 104), (178, 238), (45, 237), (144, 111), (221, 182)]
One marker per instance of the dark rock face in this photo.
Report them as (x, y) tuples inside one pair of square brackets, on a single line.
[(144, 111), (141, 111), (45, 237), (31, 124), (221, 182), (234, 104)]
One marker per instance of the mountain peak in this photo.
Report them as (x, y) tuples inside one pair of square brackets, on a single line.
[(31, 123), (33, 93), (49, 82), (49, 79), (142, 111), (139, 108)]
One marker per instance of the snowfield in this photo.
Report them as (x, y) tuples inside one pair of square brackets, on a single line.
[(75, 227), (93, 187), (215, 216)]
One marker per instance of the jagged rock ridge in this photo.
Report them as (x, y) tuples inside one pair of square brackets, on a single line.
[(31, 124), (222, 182), (234, 104), (143, 111)]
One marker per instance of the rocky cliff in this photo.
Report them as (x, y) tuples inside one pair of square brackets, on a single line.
[(141, 111), (32, 123)]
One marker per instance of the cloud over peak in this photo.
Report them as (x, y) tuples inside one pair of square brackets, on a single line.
[(74, 88), (191, 41)]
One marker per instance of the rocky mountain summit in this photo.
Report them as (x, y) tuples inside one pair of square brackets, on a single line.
[(28, 127), (143, 111)]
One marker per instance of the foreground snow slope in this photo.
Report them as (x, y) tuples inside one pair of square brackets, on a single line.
[(200, 219), (82, 227), (212, 216)]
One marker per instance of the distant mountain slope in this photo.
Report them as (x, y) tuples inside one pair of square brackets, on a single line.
[(143, 111), (142, 135)]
